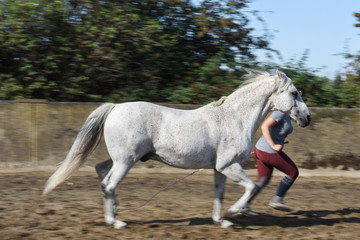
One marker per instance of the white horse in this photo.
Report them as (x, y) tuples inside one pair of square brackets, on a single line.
[(216, 136)]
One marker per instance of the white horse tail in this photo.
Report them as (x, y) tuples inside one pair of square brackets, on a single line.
[(85, 142)]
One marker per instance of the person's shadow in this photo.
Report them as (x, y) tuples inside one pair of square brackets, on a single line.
[(292, 219)]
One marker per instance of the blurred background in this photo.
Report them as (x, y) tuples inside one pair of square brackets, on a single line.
[(186, 53), (172, 51)]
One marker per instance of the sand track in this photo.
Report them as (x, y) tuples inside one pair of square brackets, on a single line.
[(326, 206)]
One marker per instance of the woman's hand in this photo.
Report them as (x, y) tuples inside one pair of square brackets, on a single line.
[(277, 147)]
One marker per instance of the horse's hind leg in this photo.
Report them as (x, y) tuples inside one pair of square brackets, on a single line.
[(103, 168), (117, 173), (110, 200)]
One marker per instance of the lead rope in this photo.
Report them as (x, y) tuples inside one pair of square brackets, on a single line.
[(161, 190)]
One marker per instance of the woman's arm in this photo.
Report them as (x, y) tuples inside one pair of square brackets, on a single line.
[(265, 128)]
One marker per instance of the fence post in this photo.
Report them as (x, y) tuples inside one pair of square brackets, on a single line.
[(33, 136)]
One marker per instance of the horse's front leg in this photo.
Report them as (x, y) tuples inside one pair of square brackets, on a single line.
[(219, 190), (236, 173)]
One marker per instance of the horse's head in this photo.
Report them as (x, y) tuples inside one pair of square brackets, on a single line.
[(287, 99)]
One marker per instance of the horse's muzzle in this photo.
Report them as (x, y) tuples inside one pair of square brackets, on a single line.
[(304, 121), (308, 120)]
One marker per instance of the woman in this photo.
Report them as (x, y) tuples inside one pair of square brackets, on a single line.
[(269, 155)]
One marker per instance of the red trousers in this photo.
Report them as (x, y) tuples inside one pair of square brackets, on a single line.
[(266, 162)]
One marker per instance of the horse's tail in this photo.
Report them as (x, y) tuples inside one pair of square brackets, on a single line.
[(85, 142)]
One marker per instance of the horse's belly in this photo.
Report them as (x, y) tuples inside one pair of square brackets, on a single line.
[(188, 164), (188, 160)]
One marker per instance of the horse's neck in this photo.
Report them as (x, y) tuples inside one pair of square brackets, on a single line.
[(251, 105)]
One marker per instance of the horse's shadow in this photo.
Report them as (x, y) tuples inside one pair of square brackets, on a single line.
[(292, 219)]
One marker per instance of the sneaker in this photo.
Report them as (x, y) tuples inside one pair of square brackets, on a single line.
[(278, 204)]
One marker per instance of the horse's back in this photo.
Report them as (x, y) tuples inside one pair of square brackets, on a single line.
[(143, 119), (132, 116), (145, 107), (145, 112)]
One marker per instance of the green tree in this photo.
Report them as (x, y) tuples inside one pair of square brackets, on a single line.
[(87, 50), (350, 94), (348, 91)]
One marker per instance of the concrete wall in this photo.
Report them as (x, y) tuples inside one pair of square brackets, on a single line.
[(40, 133)]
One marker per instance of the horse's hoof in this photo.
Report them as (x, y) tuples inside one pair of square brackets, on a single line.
[(119, 224), (226, 224), (223, 223), (230, 213), (217, 221)]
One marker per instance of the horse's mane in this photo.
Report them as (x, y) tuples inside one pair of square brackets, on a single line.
[(251, 77), (219, 102)]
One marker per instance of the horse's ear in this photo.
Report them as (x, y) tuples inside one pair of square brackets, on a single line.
[(280, 74)]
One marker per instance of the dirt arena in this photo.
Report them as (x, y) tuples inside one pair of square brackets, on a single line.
[(325, 207)]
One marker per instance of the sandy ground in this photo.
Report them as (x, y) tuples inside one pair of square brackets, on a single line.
[(326, 206)]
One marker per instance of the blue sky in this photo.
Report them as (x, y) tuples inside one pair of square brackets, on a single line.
[(325, 27)]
